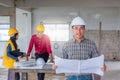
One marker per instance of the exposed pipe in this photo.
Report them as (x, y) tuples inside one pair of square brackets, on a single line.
[(100, 36)]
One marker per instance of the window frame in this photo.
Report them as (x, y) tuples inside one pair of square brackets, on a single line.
[(55, 30), (6, 23)]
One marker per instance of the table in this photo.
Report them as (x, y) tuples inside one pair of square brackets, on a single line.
[(45, 69), (25, 70)]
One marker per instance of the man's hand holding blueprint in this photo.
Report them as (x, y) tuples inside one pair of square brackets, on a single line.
[(92, 65)]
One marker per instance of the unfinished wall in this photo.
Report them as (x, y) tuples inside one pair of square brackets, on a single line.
[(23, 24), (109, 16), (110, 42)]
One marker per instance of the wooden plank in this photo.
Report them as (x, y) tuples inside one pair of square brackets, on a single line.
[(12, 75), (24, 76)]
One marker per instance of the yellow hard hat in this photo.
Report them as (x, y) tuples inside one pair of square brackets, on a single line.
[(12, 31), (40, 28)]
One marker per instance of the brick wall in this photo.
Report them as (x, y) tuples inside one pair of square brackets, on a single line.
[(110, 42)]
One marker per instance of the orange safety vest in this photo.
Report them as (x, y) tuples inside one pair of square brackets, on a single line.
[(7, 61)]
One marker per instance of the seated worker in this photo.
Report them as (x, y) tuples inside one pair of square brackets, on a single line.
[(42, 46)]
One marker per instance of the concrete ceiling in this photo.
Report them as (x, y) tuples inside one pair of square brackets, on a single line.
[(60, 3), (7, 3), (64, 3)]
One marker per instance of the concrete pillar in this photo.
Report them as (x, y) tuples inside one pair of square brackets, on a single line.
[(12, 17), (13, 14)]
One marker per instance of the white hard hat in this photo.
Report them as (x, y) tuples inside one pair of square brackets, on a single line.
[(77, 21), (40, 62)]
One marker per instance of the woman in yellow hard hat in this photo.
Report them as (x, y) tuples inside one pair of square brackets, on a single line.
[(11, 52), (41, 42)]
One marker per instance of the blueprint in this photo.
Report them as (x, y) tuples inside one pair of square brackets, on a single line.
[(92, 65)]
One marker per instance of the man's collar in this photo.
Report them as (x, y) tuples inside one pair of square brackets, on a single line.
[(74, 40)]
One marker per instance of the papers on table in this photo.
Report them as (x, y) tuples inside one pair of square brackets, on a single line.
[(92, 65), (30, 65)]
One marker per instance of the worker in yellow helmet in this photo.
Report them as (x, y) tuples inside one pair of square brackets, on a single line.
[(11, 52), (41, 42), (40, 28)]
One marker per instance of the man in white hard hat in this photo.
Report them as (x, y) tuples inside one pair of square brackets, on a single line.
[(79, 48)]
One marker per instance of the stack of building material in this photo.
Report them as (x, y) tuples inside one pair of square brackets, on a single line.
[(29, 63)]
